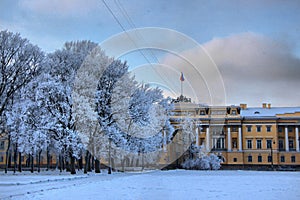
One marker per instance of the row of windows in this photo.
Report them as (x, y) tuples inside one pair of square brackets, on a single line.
[(280, 129), (258, 128), (269, 144), (268, 128), (259, 144), (260, 159), (218, 112)]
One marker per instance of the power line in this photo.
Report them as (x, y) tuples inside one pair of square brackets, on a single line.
[(130, 22), (120, 24)]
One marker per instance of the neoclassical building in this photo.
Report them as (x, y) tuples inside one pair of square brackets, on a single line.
[(246, 137)]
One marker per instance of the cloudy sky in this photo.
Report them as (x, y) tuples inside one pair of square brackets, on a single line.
[(247, 51)]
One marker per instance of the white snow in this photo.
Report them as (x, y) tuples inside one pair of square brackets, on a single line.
[(176, 184), (266, 112)]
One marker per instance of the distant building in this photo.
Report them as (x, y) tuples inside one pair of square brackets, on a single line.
[(246, 137)]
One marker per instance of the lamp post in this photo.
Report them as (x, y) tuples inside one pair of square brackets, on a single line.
[(109, 156), (272, 163)]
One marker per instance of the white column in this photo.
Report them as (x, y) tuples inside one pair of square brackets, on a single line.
[(197, 137), (207, 139), (229, 139), (286, 139), (297, 139), (240, 139)]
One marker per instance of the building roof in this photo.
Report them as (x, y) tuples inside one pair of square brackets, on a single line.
[(268, 112)]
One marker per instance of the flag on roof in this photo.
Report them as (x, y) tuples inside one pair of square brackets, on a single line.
[(181, 77)]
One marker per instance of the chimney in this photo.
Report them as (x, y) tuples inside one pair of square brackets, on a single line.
[(269, 105), (243, 106), (264, 105)]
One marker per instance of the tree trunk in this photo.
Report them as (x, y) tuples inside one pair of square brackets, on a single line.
[(39, 161), (68, 169), (143, 162), (20, 162), (123, 164), (86, 162), (132, 160), (7, 154), (97, 166), (89, 169), (92, 162), (72, 164), (80, 164), (63, 162), (32, 163), (15, 158), (60, 162), (48, 160)]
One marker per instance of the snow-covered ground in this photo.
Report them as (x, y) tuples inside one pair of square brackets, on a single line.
[(176, 184)]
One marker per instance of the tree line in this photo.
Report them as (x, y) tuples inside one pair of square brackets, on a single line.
[(47, 105)]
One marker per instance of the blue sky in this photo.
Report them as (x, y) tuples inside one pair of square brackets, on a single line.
[(241, 28)]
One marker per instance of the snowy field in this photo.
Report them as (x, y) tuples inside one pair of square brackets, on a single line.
[(177, 184)]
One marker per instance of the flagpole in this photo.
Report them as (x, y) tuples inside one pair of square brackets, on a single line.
[(181, 88), (181, 80)]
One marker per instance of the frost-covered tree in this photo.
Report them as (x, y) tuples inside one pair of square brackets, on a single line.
[(20, 62), (203, 160), (63, 65), (26, 124), (84, 107), (129, 116), (132, 115)]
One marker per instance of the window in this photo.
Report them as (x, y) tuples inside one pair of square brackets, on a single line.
[(234, 129), (269, 144), (234, 159), (250, 158), (290, 129), (220, 143), (249, 128), (293, 159), (280, 144), (269, 128), (233, 112), (234, 142), (2, 143), (282, 159), (269, 158), (1, 159), (249, 144), (291, 144), (259, 159), (280, 129), (202, 112), (258, 144), (258, 128)]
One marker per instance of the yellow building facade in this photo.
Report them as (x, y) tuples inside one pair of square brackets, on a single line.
[(246, 137)]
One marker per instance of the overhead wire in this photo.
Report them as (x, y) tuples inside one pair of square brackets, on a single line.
[(131, 23)]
